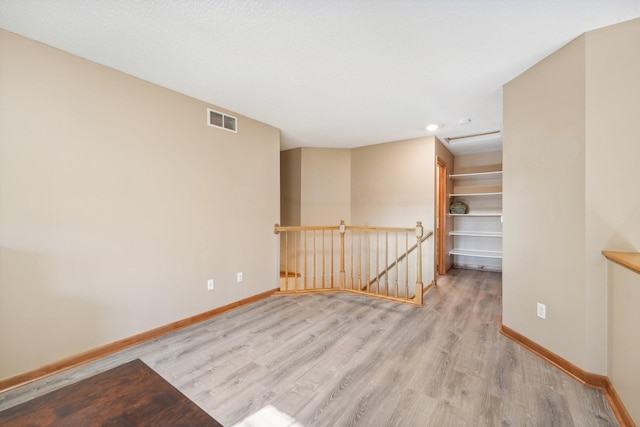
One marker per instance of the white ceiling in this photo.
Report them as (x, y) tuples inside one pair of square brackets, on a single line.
[(328, 73)]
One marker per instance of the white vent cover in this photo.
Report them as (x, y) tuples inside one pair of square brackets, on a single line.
[(221, 120)]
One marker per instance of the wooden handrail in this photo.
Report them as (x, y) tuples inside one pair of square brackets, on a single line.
[(630, 260), (361, 252), (278, 228), (400, 258)]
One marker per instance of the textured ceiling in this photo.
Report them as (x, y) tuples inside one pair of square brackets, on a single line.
[(327, 73)]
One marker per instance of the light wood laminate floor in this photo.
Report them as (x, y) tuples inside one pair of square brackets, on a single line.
[(342, 360)]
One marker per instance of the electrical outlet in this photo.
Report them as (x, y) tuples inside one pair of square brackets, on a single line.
[(239, 277), (542, 311), (210, 285)]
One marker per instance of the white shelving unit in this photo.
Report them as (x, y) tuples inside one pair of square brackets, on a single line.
[(498, 193), (479, 254), (477, 175), (479, 214), (477, 235)]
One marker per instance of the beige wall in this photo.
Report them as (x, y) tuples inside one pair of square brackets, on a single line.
[(392, 184), (325, 186), (624, 345), (543, 203), (290, 186), (117, 203), (612, 204), (479, 162), (571, 162)]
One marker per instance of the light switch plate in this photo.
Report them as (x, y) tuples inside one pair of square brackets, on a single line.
[(542, 311)]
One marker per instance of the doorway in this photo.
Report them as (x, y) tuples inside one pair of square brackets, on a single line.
[(441, 216)]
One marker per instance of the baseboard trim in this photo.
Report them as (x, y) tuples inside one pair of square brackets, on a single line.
[(108, 349), (478, 267), (429, 286), (306, 291), (370, 295), (589, 379)]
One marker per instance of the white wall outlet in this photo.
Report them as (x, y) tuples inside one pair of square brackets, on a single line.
[(240, 277), (542, 311), (210, 285)]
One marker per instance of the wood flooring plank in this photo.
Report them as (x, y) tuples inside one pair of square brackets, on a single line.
[(131, 394), (344, 359), (411, 409)]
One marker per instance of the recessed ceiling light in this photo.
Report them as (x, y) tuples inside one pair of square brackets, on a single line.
[(432, 127)]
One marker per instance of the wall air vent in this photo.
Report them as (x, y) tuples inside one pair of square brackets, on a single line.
[(221, 120)]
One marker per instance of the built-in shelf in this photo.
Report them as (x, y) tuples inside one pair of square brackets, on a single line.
[(476, 253), (476, 233), (478, 214), (482, 191), (476, 194), (477, 175)]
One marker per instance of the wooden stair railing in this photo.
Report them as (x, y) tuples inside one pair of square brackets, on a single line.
[(345, 258), (395, 262)]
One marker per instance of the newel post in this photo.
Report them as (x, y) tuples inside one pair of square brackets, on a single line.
[(343, 276), (419, 286)]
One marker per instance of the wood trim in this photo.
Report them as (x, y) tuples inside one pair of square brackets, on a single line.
[(429, 286), (589, 379), (395, 262), (623, 416), (279, 228), (630, 260), (411, 301), (284, 274), (563, 364), (309, 291), (478, 267), (108, 349), (442, 240)]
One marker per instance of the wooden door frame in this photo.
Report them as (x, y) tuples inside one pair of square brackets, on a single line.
[(441, 216)]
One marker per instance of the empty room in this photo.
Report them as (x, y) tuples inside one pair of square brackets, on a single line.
[(319, 213)]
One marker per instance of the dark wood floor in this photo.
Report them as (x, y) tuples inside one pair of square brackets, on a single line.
[(342, 359), (131, 394)]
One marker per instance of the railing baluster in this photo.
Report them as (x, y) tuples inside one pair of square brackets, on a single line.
[(418, 297), (378, 261), (343, 229), (323, 254), (332, 260), (360, 265), (286, 260), (295, 277), (368, 234), (352, 268), (360, 260), (304, 241), (397, 267), (315, 262), (386, 262), (406, 265)]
